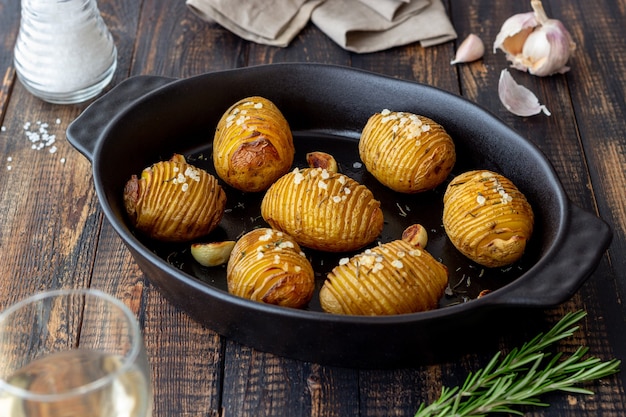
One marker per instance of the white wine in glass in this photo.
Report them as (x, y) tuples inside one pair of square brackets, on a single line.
[(72, 353)]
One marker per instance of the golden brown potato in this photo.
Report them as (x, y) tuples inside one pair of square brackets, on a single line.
[(174, 201), (323, 210), (253, 145), (267, 266), (393, 278), (487, 218), (406, 152)]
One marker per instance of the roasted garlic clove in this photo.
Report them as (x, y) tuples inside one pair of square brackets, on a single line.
[(174, 201), (267, 266), (322, 160), (392, 278), (323, 210), (416, 235), (253, 145), (487, 218), (213, 253), (406, 152)]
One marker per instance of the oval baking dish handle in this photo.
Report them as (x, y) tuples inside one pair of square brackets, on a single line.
[(563, 272), (85, 131)]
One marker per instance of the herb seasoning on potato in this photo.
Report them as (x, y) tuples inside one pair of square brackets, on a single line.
[(174, 201), (406, 152), (397, 277), (253, 145), (323, 210), (487, 218), (266, 265)]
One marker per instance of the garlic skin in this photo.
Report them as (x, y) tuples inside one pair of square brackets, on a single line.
[(535, 43), (513, 34), (518, 99), (471, 49)]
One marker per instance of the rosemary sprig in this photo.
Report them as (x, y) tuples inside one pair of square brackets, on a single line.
[(522, 376)]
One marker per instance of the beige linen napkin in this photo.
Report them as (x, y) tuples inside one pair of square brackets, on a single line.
[(386, 8), (270, 22), (358, 27)]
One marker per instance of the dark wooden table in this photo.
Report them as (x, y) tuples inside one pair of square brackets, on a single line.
[(53, 233)]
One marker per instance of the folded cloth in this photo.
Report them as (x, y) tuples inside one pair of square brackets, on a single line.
[(357, 27), (387, 8), (270, 22)]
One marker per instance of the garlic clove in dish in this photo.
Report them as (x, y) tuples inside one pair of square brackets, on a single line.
[(318, 159), (518, 99), (471, 49), (535, 43), (213, 253)]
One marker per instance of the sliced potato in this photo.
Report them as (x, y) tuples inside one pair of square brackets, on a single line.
[(406, 152), (174, 201), (266, 265), (393, 278), (323, 210), (253, 145), (487, 218)]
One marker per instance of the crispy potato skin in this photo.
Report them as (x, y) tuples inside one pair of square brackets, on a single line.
[(253, 145), (174, 201), (393, 278), (323, 210), (406, 152), (267, 266), (487, 218)]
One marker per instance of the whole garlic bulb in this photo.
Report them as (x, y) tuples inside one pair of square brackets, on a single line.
[(535, 43)]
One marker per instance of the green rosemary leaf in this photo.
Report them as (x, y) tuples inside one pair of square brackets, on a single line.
[(522, 376)]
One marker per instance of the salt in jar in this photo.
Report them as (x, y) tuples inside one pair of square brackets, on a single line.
[(64, 52)]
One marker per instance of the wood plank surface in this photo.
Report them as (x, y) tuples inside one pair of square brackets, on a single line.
[(53, 233)]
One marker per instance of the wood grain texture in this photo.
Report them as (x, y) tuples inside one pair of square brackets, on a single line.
[(598, 91), (9, 25), (32, 211), (53, 233)]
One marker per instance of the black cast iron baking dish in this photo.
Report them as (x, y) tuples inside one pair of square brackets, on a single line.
[(146, 119)]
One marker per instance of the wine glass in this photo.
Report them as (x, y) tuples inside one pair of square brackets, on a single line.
[(73, 353)]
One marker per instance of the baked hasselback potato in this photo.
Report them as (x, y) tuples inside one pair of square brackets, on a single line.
[(267, 266), (487, 218), (406, 152), (393, 278), (253, 145), (174, 201), (323, 210)]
